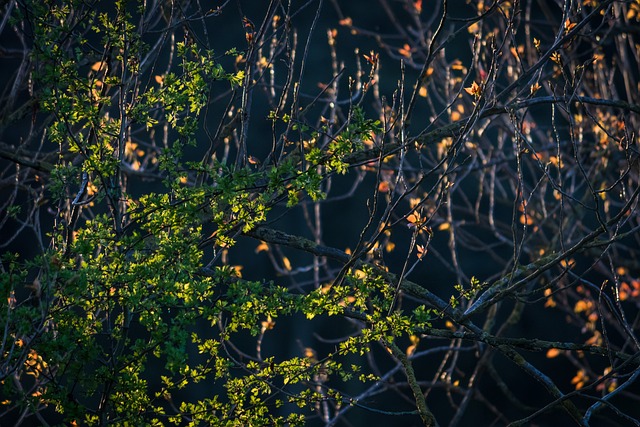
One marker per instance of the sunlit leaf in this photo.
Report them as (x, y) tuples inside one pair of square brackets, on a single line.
[(553, 352), (262, 247), (405, 51), (286, 263), (475, 90)]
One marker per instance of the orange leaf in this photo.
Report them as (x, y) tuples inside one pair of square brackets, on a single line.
[(418, 5), (252, 160), (262, 247), (534, 88), (422, 251), (444, 226), (383, 187), (405, 51), (457, 65), (553, 352), (98, 66), (414, 218), (268, 324), (474, 89)]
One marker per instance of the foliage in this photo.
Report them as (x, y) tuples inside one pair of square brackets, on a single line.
[(488, 190)]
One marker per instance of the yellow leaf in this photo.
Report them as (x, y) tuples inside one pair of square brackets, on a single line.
[(159, 79), (423, 92), (286, 263), (444, 226)]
